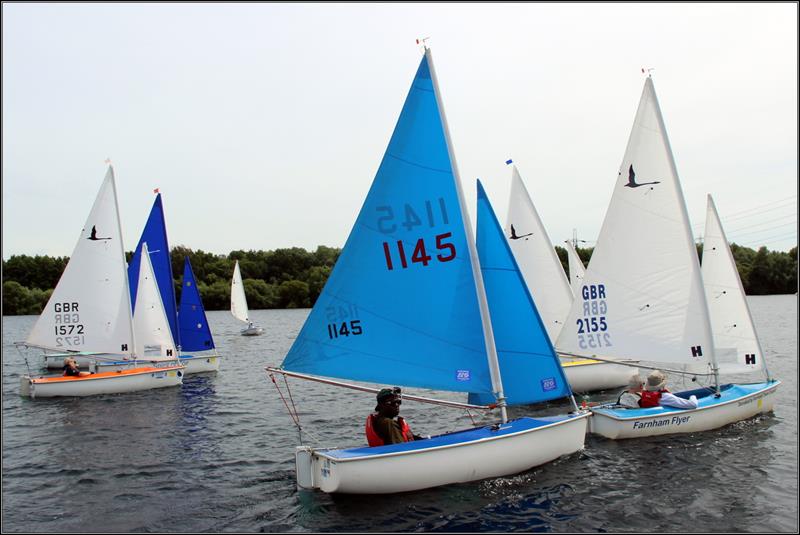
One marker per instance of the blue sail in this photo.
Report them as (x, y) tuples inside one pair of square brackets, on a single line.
[(400, 306), (529, 365), (155, 234), (194, 329)]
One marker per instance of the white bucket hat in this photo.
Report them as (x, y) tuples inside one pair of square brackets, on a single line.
[(655, 381)]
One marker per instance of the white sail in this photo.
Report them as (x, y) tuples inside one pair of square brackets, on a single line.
[(537, 258), (149, 319), (643, 297), (731, 322), (576, 269), (90, 308), (238, 299)]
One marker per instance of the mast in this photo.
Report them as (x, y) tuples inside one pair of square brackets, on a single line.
[(488, 334), (689, 238), (124, 269)]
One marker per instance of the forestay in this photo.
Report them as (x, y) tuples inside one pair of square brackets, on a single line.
[(537, 258), (90, 307), (528, 363), (642, 297), (731, 322), (400, 306)]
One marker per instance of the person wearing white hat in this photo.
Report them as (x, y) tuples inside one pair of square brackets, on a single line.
[(631, 396), (655, 393)]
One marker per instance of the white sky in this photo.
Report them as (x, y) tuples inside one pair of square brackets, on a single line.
[(263, 124)]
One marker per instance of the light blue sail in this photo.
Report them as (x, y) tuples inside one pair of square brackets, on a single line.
[(155, 234), (400, 306), (192, 321), (529, 365)]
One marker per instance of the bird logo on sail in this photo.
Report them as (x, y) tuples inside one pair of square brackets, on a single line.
[(93, 235), (514, 234), (632, 179)]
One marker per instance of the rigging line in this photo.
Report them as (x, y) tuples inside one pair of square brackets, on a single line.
[(294, 417), (792, 217), (635, 364), (410, 397)]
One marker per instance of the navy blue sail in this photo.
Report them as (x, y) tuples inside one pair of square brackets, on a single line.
[(193, 324), (155, 234), (400, 306), (529, 366)]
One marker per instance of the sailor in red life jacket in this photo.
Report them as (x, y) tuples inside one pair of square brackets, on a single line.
[(384, 426), (655, 393)]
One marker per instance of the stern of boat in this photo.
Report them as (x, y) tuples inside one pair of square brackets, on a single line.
[(25, 386)]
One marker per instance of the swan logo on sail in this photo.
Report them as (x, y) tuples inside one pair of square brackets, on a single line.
[(514, 234), (93, 235), (632, 180)]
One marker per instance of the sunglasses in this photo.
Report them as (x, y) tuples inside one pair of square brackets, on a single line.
[(395, 402)]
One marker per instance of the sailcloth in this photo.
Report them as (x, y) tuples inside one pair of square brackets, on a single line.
[(238, 299), (155, 234), (193, 324), (528, 363), (731, 321), (642, 297), (400, 306), (576, 269), (537, 258), (150, 319), (90, 307)]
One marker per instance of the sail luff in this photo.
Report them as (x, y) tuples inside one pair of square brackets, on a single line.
[(491, 350), (238, 299), (577, 271)]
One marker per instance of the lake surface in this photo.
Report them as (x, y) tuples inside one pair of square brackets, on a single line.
[(216, 455)]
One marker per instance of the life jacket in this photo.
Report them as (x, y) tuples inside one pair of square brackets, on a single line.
[(650, 399), (374, 439)]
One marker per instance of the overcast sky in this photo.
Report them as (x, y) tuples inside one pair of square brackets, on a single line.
[(263, 124)]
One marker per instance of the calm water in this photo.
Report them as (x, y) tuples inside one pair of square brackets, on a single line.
[(216, 455)]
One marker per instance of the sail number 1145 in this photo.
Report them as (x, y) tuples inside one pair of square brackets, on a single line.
[(419, 255)]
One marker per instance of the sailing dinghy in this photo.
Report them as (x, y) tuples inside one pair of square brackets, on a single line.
[(405, 304), (239, 308), (643, 295), (155, 235), (550, 288), (90, 311)]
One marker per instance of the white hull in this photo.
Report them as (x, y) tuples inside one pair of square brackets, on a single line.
[(432, 465), (252, 331), (738, 404), (201, 364), (590, 375), (101, 383)]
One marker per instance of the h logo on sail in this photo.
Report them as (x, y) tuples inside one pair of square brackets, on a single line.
[(750, 358), (697, 351)]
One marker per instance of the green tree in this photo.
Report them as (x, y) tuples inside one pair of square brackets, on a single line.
[(293, 294)]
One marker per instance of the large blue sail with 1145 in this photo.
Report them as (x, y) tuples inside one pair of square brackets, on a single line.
[(529, 365), (400, 306)]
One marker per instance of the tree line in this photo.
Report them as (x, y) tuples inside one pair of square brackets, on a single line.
[(294, 277)]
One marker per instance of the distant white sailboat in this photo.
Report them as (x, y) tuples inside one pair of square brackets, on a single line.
[(90, 312), (645, 297), (239, 304), (550, 288)]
